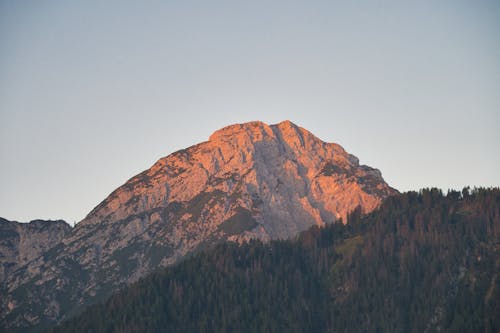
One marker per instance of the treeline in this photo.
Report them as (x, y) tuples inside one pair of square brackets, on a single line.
[(423, 262)]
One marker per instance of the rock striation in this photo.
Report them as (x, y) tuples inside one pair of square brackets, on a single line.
[(249, 180)]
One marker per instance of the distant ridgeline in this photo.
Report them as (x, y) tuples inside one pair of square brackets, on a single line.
[(423, 262)]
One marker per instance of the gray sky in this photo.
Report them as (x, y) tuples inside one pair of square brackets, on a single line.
[(94, 92)]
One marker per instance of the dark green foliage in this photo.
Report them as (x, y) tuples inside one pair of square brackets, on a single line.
[(422, 262), (330, 169), (198, 203), (238, 223)]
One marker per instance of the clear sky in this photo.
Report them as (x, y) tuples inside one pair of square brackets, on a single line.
[(94, 92)]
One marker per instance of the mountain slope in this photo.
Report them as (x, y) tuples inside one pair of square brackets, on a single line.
[(22, 242), (423, 262), (247, 181)]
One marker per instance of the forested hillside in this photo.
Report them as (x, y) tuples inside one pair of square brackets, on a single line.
[(423, 262)]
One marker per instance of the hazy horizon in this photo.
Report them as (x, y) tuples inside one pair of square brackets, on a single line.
[(93, 93)]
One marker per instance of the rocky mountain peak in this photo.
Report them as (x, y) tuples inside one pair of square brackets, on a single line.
[(253, 129), (249, 180), (257, 157), (256, 131)]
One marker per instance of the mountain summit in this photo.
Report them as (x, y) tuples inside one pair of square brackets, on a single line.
[(280, 179), (249, 180)]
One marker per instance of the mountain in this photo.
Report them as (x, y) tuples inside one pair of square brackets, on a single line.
[(423, 262), (22, 242), (247, 181)]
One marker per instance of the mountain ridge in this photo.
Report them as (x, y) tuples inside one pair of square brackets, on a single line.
[(249, 180), (22, 242)]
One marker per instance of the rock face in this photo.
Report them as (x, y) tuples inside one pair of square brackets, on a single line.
[(247, 181), (22, 242)]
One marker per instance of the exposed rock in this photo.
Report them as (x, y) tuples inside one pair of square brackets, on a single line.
[(248, 181), (22, 242)]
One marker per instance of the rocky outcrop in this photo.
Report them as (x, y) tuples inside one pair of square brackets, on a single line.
[(247, 181), (22, 242)]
